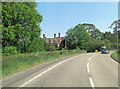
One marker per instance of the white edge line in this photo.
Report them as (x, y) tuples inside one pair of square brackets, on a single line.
[(47, 70), (88, 67), (113, 60), (92, 84)]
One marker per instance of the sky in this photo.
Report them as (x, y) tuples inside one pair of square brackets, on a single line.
[(58, 17)]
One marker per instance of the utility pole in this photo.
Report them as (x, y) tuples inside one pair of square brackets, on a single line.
[(117, 34)]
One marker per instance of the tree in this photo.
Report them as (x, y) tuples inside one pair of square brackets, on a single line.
[(71, 39), (107, 43), (116, 31), (20, 25), (77, 37), (94, 45), (93, 31), (110, 36)]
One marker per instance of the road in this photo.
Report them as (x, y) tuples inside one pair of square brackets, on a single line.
[(84, 70)]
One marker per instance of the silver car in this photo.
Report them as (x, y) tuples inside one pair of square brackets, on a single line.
[(105, 51)]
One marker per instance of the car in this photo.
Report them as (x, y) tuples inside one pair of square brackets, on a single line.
[(105, 51)]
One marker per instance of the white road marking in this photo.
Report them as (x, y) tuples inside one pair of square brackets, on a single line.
[(88, 67), (91, 82), (48, 70), (113, 60), (89, 59)]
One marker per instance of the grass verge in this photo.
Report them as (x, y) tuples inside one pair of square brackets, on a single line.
[(116, 56), (17, 63)]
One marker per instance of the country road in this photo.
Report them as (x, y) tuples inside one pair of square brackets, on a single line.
[(84, 70)]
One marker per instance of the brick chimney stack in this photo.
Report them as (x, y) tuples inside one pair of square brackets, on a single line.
[(54, 35), (59, 35), (44, 36)]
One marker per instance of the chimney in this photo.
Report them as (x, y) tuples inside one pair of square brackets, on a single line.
[(44, 36), (59, 35), (54, 35)]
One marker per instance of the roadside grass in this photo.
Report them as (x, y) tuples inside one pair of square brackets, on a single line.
[(18, 63), (116, 56)]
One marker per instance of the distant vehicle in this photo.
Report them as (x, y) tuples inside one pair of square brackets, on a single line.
[(105, 51)]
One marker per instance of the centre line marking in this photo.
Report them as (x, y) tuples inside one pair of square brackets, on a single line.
[(48, 70), (89, 59), (92, 84), (88, 67)]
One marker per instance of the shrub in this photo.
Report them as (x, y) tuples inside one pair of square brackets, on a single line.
[(77, 49), (49, 47), (114, 46), (53, 48), (10, 50), (65, 48)]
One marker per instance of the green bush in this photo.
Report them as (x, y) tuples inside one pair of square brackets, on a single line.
[(10, 50), (49, 47), (53, 48), (65, 48), (77, 49), (114, 46)]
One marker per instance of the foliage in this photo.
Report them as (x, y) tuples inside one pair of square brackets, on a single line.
[(93, 45), (16, 63), (110, 36), (36, 45), (53, 48), (77, 36), (10, 50), (71, 39), (78, 49), (107, 43), (90, 38), (49, 47), (20, 26), (114, 46), (65, 48), (93, 31)]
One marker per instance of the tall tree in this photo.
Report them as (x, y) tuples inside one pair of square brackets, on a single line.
[(71, 39), (77, 36), (20, 23), (93, 31), (110, 36)]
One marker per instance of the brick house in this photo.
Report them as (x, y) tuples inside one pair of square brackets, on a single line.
[(54, 41)]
